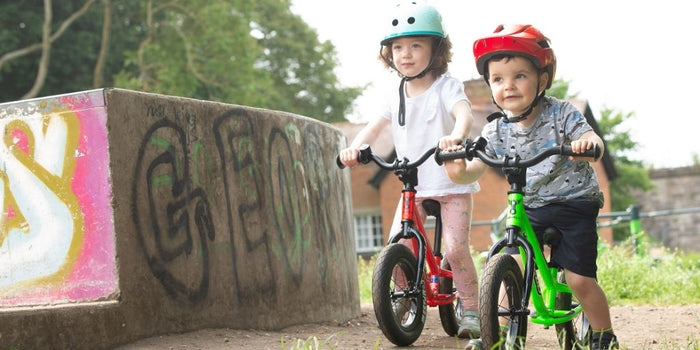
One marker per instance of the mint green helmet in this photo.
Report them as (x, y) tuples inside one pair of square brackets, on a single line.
[(413, 18)]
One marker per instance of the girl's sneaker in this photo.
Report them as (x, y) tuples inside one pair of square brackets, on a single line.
[(474, 344), (469, 326)]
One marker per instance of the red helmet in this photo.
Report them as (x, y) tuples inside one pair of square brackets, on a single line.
[(519, 40)]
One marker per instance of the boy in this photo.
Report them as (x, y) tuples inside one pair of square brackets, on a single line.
[(519, 66)]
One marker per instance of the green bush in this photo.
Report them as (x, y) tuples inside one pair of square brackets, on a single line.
[(364, 271)]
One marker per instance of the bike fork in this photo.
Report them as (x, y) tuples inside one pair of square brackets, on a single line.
[(409, 232)]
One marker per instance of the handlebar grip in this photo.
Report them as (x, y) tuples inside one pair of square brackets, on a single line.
[(596, 152), (442, 156), (339, 163), (364, 157), (593, 152)]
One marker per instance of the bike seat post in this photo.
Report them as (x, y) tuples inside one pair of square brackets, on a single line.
[(432, 208)]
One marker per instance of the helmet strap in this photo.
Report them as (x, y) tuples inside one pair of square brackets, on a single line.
[(402, 102), (404, 79)]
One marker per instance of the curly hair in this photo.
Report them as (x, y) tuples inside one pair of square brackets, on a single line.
[(441, 55)]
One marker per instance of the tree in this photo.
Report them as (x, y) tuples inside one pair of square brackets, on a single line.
[(199, 49), (632, 175), (300, 66), (255, 53), (37, 40)]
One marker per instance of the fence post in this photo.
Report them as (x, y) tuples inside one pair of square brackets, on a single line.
[(635, 225)]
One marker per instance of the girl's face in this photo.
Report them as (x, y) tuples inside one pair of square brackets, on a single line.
[(514, 83), (411, 55)]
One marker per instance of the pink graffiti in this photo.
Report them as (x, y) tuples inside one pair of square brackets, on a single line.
[(93, 276)]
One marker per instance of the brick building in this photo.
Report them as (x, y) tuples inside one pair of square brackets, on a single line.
[(375, 192), (670, 212)]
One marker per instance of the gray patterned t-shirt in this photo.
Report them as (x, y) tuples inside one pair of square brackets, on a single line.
[(556, 179)]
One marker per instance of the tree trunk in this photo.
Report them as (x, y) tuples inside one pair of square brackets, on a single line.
[(45, 52), (98, 78)]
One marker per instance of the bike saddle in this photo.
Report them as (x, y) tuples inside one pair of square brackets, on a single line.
[(432, 207), (551, 237)]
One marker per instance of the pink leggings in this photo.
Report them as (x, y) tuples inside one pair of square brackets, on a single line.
[(456, 213)]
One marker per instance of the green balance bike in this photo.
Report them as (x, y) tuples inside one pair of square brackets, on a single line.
[(506, 289)]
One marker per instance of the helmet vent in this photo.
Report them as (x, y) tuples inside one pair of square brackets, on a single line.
[(395, 22), (411, 20), (543, 44)]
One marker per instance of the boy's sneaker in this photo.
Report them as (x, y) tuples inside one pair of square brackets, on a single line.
[(604, 341), (469, 326)]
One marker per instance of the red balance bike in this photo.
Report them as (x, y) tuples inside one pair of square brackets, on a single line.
[(409, 277)]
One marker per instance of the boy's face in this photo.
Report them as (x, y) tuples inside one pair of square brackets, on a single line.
[(514, 83), (411, 54)]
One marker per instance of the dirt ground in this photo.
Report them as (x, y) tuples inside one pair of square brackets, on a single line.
[(637, 327)]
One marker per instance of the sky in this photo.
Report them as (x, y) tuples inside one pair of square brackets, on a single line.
[(630, 56)]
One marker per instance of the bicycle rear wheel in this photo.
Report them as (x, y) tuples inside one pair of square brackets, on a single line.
[(450, 314), (502, 290), (573, 334), (401, 318)]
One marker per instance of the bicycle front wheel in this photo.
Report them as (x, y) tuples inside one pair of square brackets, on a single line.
[(572, 334), (501, 292), (399, 305)]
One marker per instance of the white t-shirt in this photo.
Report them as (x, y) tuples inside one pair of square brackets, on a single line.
[(427, 119)]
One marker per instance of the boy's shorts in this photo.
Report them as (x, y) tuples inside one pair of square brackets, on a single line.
[(578, 249)]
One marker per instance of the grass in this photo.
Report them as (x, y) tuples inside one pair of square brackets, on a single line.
[(313, 343), (656, 276), (648, 274)]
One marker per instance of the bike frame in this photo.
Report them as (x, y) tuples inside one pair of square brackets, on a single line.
[(412, 228), (541, 283)]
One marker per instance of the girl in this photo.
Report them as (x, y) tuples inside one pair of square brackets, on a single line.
[(430, 108)]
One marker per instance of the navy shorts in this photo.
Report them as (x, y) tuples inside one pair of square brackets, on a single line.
[(578, 249)]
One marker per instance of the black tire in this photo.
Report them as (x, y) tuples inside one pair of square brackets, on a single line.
[(400, 319), (502, 271), (574, 334), (450, 314)]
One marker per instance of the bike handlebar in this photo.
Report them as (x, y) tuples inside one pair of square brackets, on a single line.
[(367, 156), (477, 149), (469, 151)]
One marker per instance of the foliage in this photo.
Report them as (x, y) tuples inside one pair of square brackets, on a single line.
[(631, 173), (365, 269), (560, 89), (299, 65), (632, 176), (659, 277), (255, 53), (72, 54)]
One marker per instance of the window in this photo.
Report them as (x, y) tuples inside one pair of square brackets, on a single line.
[(368, 233)]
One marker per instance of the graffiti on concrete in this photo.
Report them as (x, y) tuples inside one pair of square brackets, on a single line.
[(241, 159), (268, 209), (276, 203), (248, 189), (172, 215), (56, 228)]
